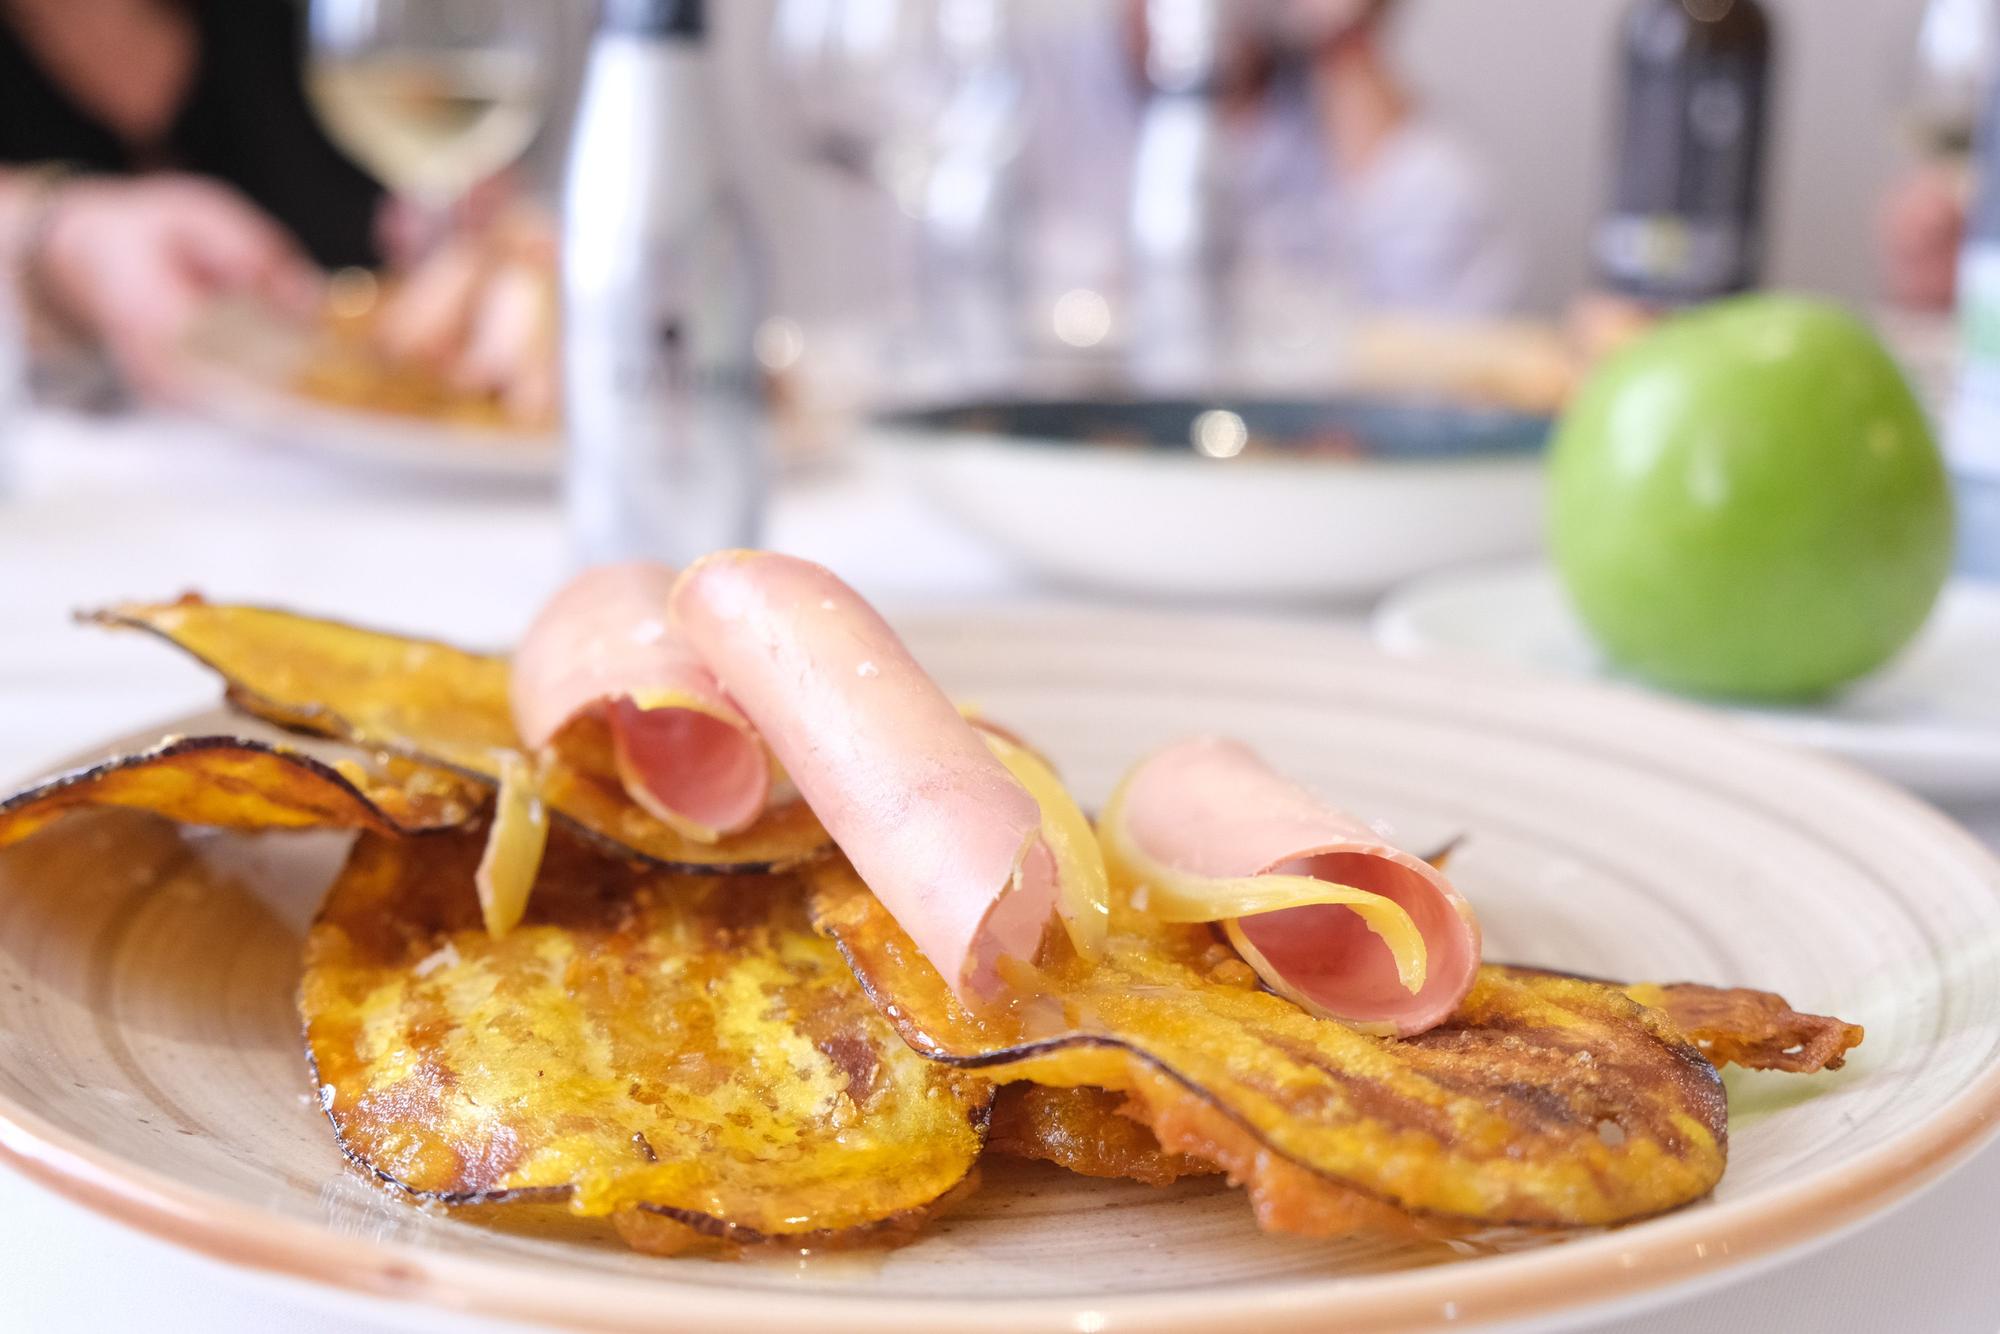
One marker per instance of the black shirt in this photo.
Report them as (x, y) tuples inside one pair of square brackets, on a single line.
[(244, 121)]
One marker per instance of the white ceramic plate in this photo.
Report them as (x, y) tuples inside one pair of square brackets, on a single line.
[(1176, 525), (1930, 720), (150, 1065), (238, 365)]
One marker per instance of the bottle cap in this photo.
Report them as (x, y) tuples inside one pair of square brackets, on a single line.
[(654, 18)]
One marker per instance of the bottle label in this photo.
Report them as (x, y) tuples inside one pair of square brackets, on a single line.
[(659, 361), (1974, 434), (1672, 256), (665, 436)]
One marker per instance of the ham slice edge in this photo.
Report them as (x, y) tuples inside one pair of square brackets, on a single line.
[(605, 643), (934, 824), (1212, 807)]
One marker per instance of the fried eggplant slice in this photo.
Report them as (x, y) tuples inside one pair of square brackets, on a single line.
[(1544, 1102), (239, 783), (685, 1058), (1758, 1030), (1086, 1130), (444, 706)]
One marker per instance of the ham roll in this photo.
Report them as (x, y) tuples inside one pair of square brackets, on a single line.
[(935, 824), (605, 643), (1212, 810)]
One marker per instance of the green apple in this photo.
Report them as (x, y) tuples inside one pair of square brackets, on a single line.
[(1748, 501)]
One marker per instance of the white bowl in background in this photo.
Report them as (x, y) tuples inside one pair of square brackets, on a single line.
[(1341, 498)]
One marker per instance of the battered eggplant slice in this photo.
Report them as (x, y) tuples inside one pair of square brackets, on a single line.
[(1758, 1030), (1086, 1130), (239, 783), (690, 1060), (1544, 1102), (1092, 1132), (444, 706)]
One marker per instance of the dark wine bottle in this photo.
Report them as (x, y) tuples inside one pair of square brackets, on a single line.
[(1684, 221)]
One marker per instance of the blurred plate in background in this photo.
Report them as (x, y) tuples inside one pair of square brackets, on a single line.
[(1264, 498), (242, 368), (1930, 720)]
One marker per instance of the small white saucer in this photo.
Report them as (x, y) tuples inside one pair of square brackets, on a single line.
[(1930, 720)]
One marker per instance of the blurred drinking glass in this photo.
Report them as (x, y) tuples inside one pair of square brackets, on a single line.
[(922, 98), (889, 90), (1957, 43), (431, 96), (1181, 245), (1923, 216)]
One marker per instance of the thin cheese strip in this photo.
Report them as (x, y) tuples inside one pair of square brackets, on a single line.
[(1084, 899), (514, 844), (1175, 898)]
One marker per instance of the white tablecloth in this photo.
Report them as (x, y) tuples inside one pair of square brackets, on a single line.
[(145, 507)]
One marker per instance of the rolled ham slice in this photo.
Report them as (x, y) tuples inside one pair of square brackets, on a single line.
[(946, 838), (606, 643), (1212, 808)]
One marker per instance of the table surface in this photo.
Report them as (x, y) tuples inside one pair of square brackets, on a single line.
[(146, 506)]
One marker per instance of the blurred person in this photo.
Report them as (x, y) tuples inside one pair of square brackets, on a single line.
[(1921, 225), (1921, 231), (1339, 180), (156, 155), (480, 310)]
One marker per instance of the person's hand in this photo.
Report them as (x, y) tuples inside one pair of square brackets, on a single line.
[(133, 262), (481, 311), (1601, 322), (1922, 228), (406, 231)]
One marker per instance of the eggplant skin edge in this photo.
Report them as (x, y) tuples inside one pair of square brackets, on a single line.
[(1684, 1083), (893, 1228), (319, 721), (50, 790)]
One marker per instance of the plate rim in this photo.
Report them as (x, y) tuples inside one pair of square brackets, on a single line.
[(1639, 1265)]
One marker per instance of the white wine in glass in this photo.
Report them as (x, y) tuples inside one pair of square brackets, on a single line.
[(431, 96)]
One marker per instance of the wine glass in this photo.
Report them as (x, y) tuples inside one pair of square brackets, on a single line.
[(887, 90), (924, 100), (431, 96)]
